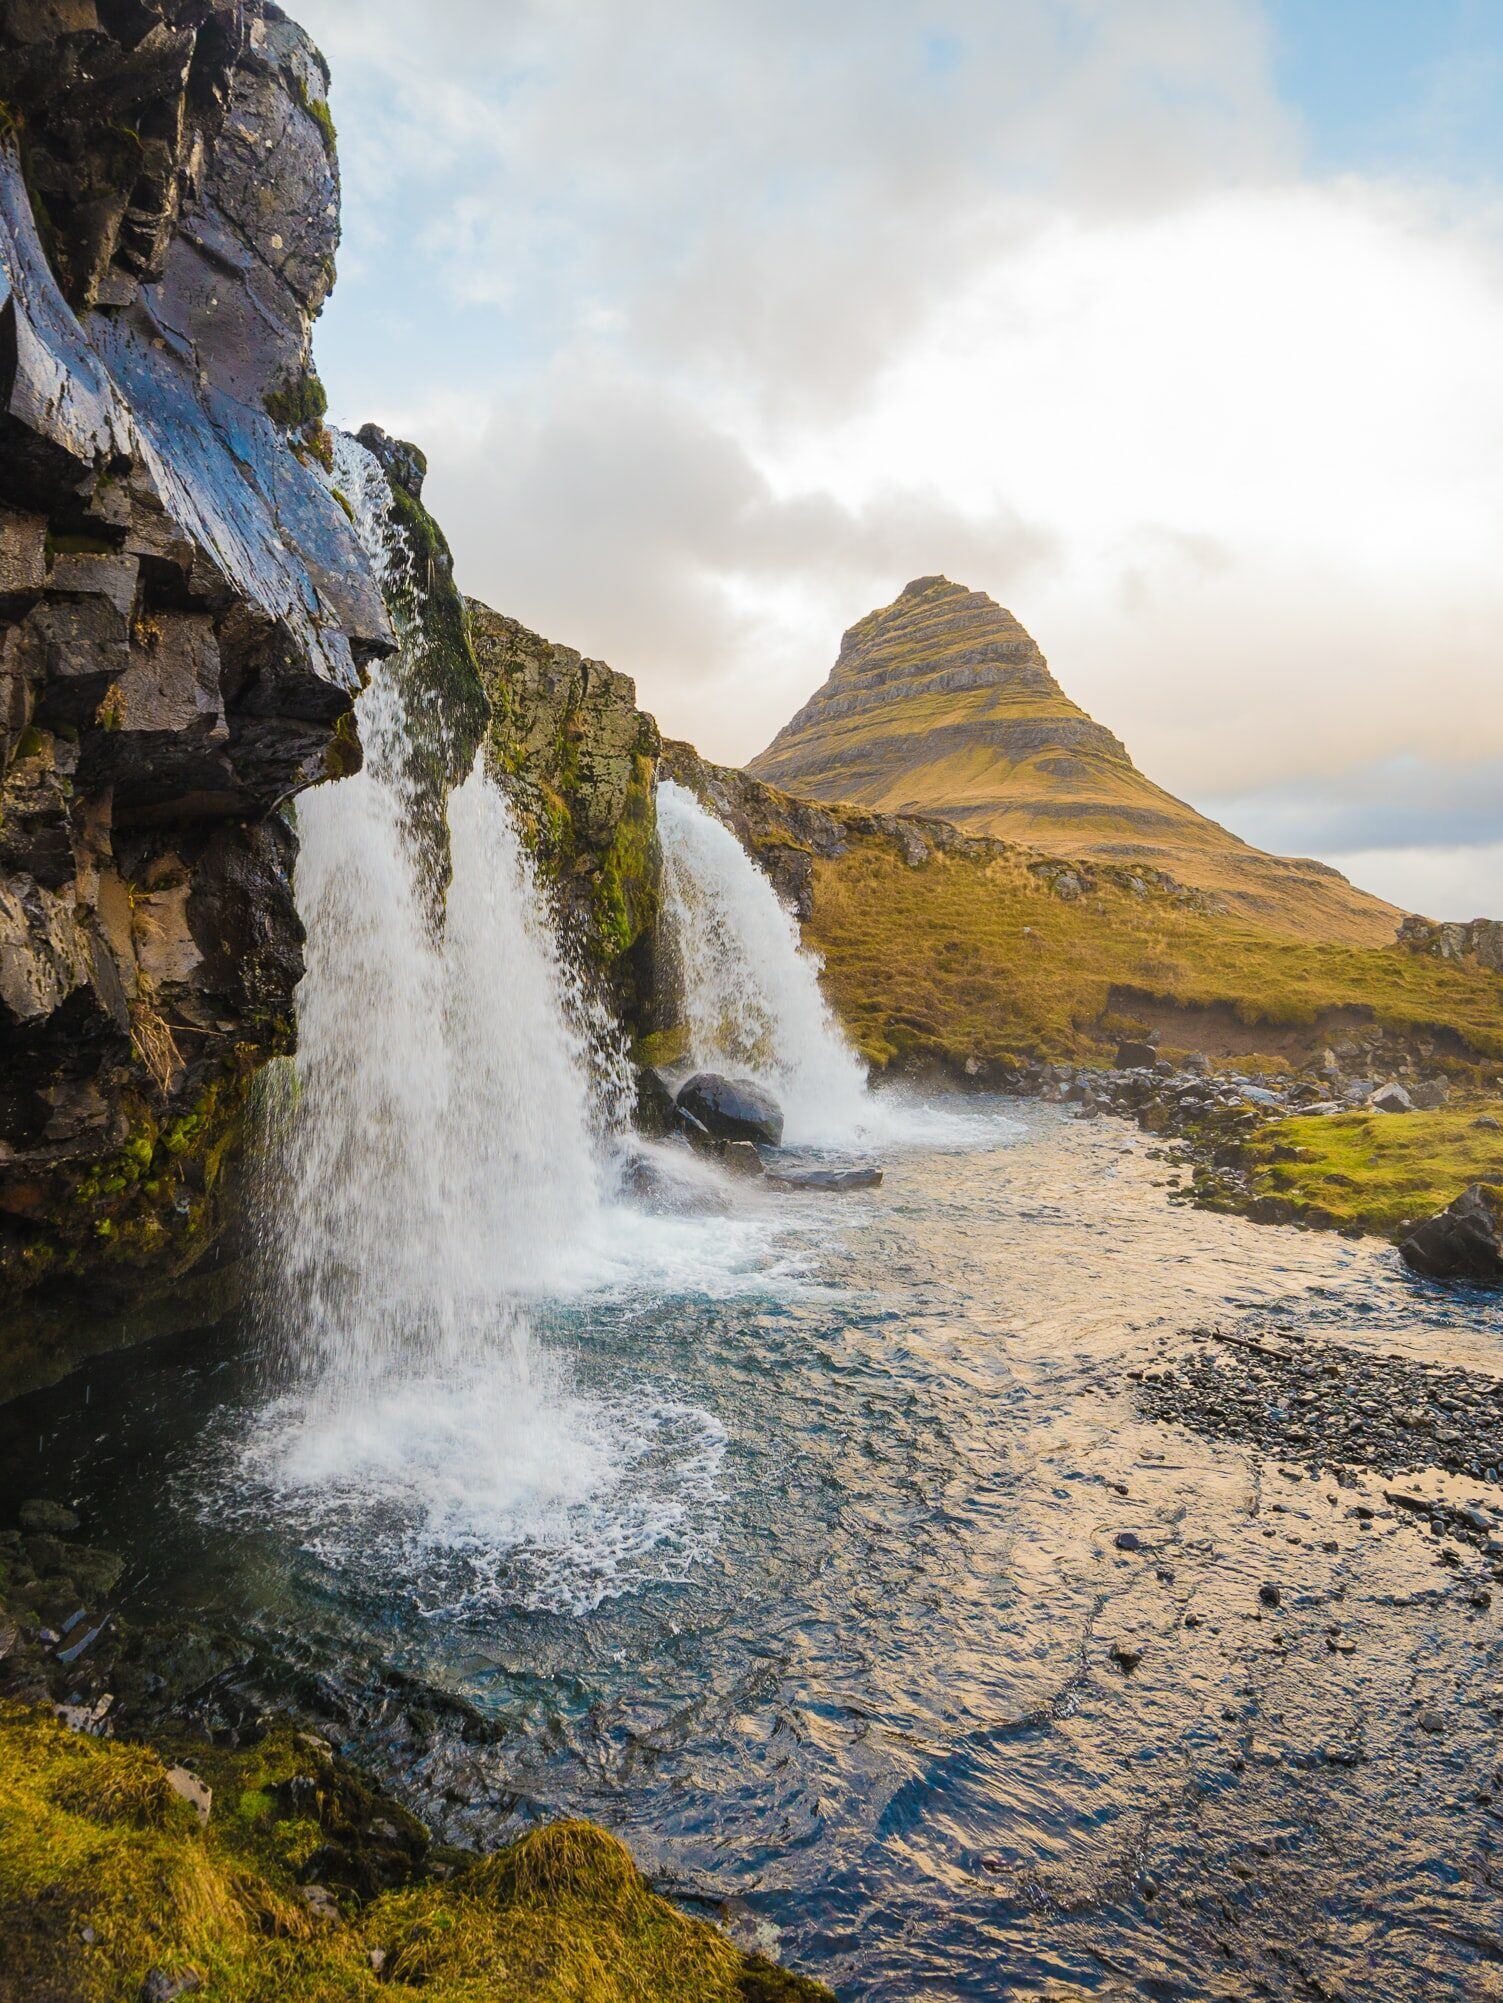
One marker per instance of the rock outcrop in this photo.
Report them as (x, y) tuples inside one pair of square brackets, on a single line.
[(941, 704), (1479, 944), (579, 760), (185, 619), (1464, 1242)]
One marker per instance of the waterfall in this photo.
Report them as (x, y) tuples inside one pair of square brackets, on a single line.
[(442, 1135), (750, 989)]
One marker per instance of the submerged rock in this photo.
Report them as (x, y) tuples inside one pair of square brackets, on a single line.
[(733, 1109), (1463, 1241), (835, 1180)]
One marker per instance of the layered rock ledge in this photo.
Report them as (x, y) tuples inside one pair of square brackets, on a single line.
[(185, 620)]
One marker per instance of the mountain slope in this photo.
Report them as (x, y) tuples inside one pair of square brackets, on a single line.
[(941, 703)]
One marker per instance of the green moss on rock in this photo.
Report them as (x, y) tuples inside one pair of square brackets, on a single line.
[(107, 1873)]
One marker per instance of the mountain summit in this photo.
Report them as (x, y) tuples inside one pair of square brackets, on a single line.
[(941, 703)]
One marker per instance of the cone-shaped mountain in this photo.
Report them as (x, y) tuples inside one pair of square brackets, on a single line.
[(941, 703)]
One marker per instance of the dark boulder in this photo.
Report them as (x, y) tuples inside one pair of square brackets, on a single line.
[(1463, 1242), (654, 1113), (1136, 1054), (733, 1109)]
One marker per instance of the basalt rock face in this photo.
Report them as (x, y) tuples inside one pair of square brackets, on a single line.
[(1478, 944), (185, 619), (579, 760), (941, 703)]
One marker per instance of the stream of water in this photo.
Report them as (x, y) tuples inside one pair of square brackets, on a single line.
[(781, 1533)]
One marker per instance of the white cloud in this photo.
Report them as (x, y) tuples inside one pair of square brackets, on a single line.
[(739, 317)]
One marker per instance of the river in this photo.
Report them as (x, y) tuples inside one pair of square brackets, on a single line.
[(790, 1552)]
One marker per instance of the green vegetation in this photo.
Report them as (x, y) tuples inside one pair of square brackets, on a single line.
[(298, 403), (626, 898), (978, 954), (1375, 1172), (318, 110), (106, 1873)]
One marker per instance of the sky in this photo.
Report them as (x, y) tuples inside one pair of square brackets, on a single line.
[(1175, 325)]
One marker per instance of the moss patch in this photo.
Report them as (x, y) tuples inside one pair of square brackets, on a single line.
[(106, 1874), (1375, 1172)]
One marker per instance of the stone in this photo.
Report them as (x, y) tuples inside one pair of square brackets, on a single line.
[(39, 1517), (1126, 1654), (733, 1109), (741, 1158), (835, 1181), (1128, 1540), (1463, 1241), (165, 1985), (1135, 1054), (195, 1792), (1430, 1094), (1486, 1123), (320, 1902), (1269, 1595), (1391, 1098)]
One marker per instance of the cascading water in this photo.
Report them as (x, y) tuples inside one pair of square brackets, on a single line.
[(439, 1161), (750, 989), (441, 1140)]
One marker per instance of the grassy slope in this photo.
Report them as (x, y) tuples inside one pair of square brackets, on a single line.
[(966, 956), (1377, 1171), (106, 1874)]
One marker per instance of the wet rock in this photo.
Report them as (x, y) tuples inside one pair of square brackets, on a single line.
[(655, 1113), (1127, 1654), (1270, 1595), (837, 1181), (1462, 1242), (52, 1519), (185, 619), (733, 1109), (1128, 1540), (741, 1158)]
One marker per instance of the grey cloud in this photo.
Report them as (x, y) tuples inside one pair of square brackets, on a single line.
[(615, 516), (1409, 803)]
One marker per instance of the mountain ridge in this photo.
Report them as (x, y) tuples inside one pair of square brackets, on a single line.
[(942, 703)]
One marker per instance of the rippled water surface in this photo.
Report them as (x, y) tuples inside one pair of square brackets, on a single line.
[(790, 1553)]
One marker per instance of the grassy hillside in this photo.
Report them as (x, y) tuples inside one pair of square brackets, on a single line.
[(987, 952), (941, 703)]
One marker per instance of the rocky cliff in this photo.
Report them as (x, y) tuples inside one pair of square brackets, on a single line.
[(941, 703), (185, 619), (579, 760)]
